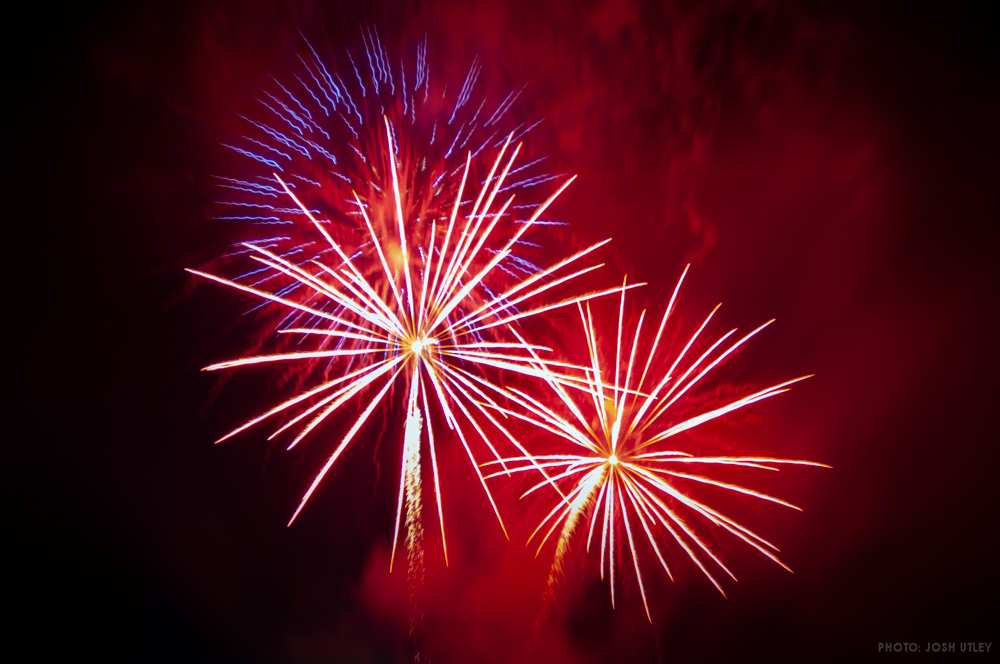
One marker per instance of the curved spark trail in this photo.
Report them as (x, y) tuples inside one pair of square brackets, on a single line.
[(617, 474), (416, 323)]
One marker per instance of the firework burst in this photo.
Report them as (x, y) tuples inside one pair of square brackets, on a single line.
[(419, 323), (620, 478)]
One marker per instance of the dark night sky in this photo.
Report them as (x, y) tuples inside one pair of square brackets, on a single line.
[(832, 165)]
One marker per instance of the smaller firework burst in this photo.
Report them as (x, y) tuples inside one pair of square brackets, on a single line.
[(618, 477)]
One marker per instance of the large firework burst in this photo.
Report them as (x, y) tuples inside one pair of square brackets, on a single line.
[(618, 472), (419, 326)]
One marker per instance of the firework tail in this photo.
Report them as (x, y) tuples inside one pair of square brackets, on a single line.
[(575, 509), (414, 521)]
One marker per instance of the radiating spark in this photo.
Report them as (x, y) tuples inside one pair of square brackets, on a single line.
[(618, 474)]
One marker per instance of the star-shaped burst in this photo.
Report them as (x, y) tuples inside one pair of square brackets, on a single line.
[(617, 473)]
